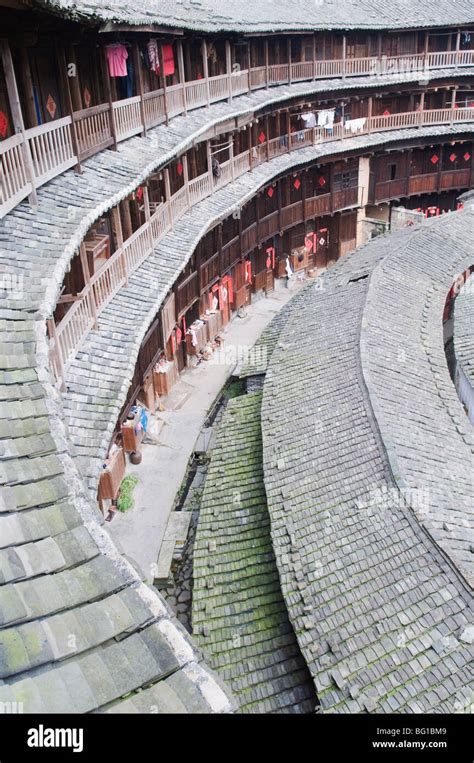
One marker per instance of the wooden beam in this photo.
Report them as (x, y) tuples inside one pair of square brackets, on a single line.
[(108, 93), (228, 59), (64, 78), (161, 59), (182, 75), (137, 63)]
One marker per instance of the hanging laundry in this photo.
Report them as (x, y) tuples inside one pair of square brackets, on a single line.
[(216, 167), (288, 269), (309, 119), (355, 125), (326, 118), (117, 60), (168, 60), (153, 57)]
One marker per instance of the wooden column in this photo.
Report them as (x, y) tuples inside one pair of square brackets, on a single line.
[(231, 157), (27, 82), (249, 128), (249, 67), (458, 47), (117, 226), (166, 174), (440, 167), (163, 80), (314, 56), (59, 363), (184, 160), (87, 281), (182, 76), (205, 69), (17, 116), (139, 83), (288, 55), (267, 135), (422, 107), (331, 184), (126, 219), (408, 170), (228, 66), (426, 44), (288, 130), (369, 115), (453, 103), (304, 176), (279, 205), (146, 204), (75, 87), (108, 92), (64, 78), (267, 71), (209, 165), (344, 54)]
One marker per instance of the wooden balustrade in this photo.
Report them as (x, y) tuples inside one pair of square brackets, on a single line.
[(127, 116), (51, 149), (93, 130), (14, 183), (51, 145)]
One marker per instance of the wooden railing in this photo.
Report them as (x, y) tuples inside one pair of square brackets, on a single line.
[(51, 149), (116, 271), (430, 182)]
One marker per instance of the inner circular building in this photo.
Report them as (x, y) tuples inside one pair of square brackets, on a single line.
[(237, 320)]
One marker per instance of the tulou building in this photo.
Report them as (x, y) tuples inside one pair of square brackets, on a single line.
[(237, 331)]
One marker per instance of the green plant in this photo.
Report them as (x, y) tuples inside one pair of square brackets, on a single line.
[(125, 500)]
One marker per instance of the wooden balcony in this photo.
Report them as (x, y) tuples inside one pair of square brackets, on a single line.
[(69, 334), (432, 182), (52, 148)]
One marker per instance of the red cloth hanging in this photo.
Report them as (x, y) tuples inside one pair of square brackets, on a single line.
[(179, 335), (248, 271), (168, 60), (184, 325), (227, 281), (271, 253)]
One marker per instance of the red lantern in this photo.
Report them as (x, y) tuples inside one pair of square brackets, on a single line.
[(261, 137), (180, 169), (453, 157), (270, 192), (434, 159), (297, 183), (322, 181), (467, 156)]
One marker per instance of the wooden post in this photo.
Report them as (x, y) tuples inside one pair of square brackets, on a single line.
[(27, 82), (267, 68), (440, 168), (408, 166), (304, 193), (184, 161), (314, 56), (249, 127), (458, 47), (163, 80), (453, 104), (146, 204), (87, 281), (228, 59), (205, 69), (267, 136), (425, 49), (209, 165), (182, 75), (75, 88), (17, 117), (288, 55), (168, 195), (344, 54), (139, 83), (61, 56), (108, 92), (288, 130), (331, 184), (59, 361), (422, 107), (369, 115), (249, 67), (117, 226), (126, 219), (231, 157)]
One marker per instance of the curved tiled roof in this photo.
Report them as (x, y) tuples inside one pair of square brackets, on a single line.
[(463, 334), (239, 616), (270, 15), (361, 427), (99, 377)]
